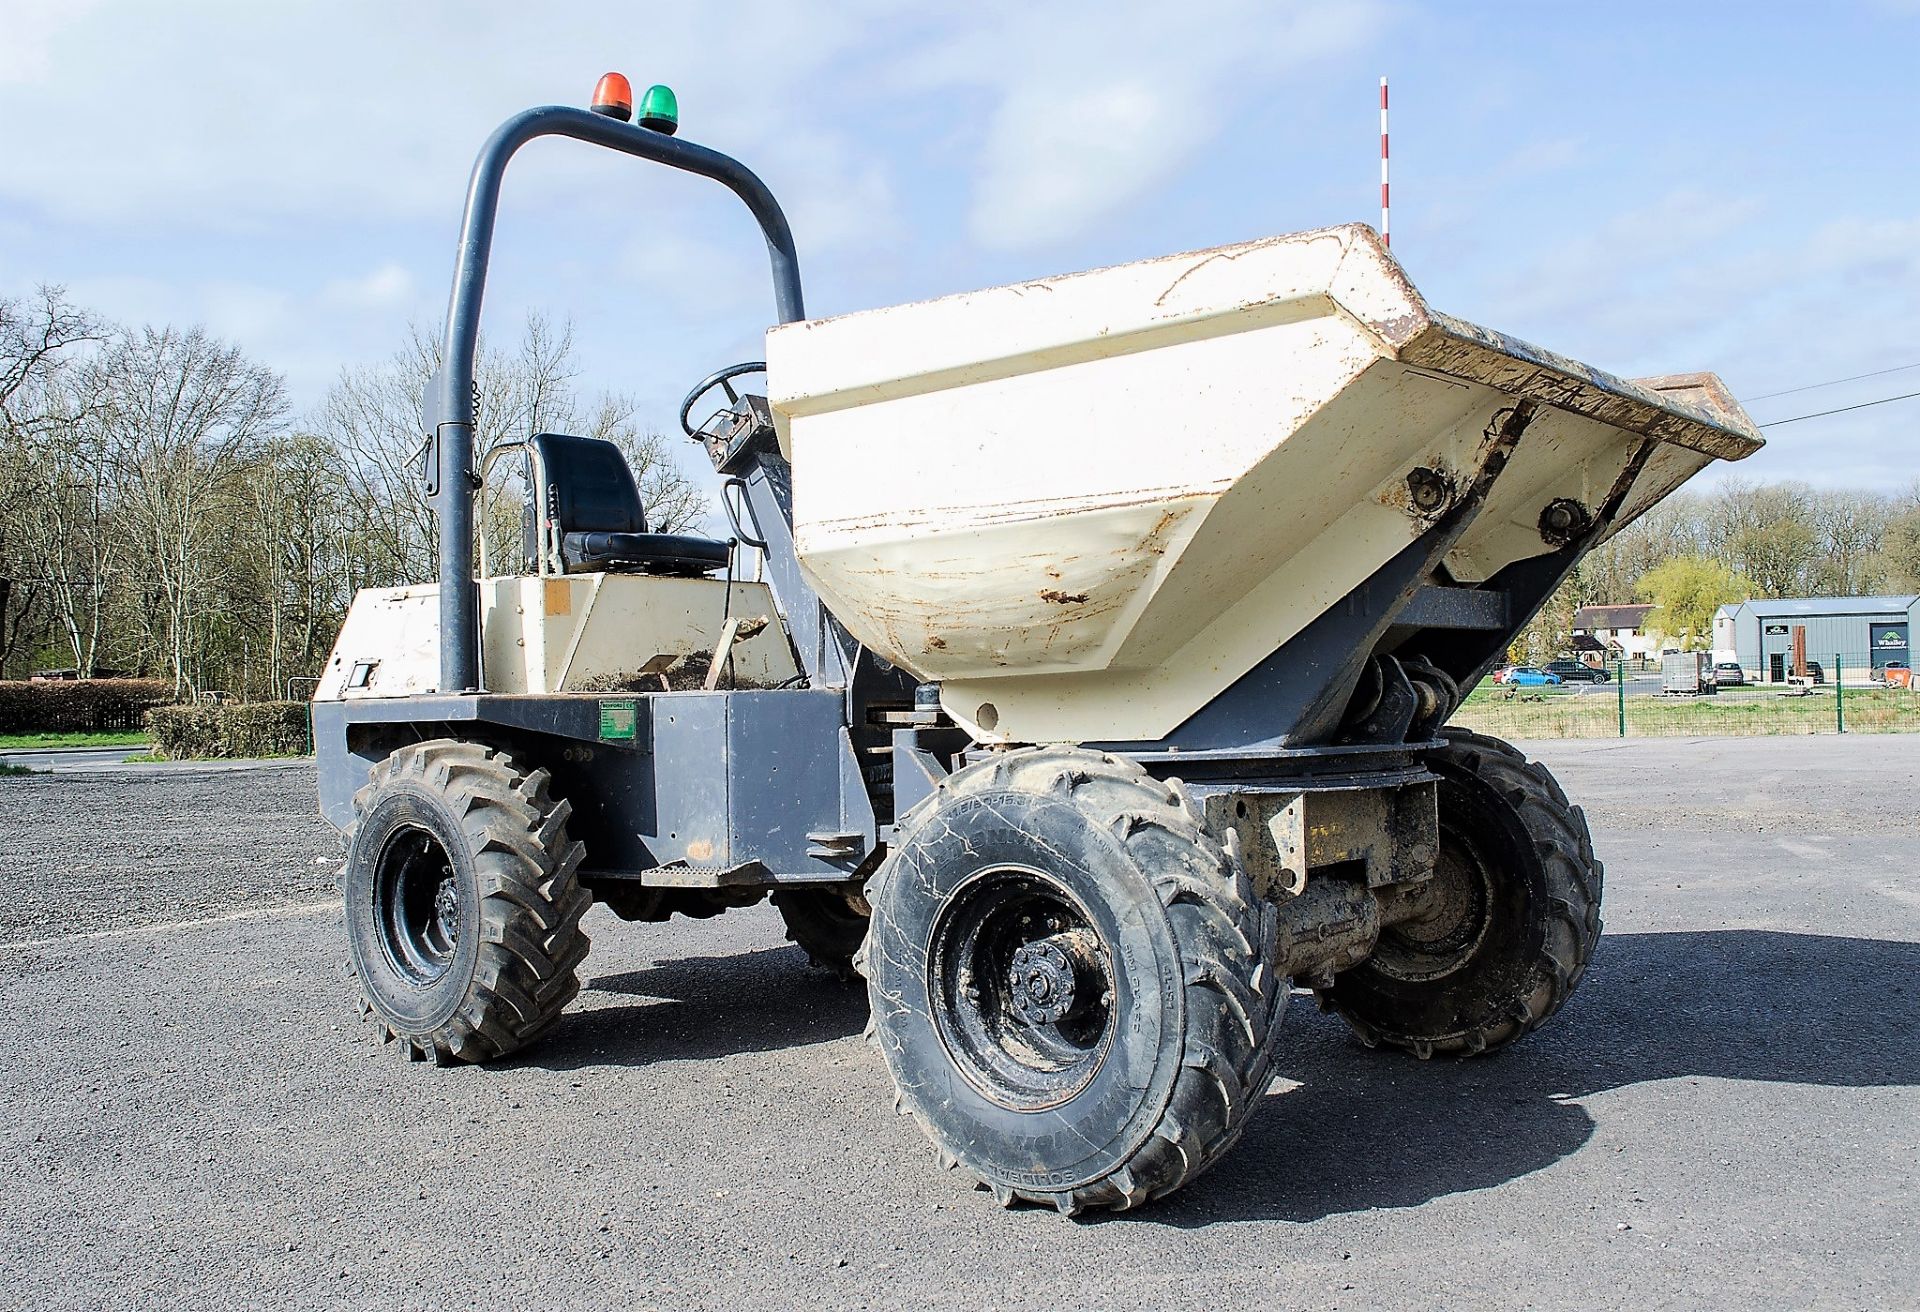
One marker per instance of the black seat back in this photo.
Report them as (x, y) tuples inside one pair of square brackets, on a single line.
[(589, 488)]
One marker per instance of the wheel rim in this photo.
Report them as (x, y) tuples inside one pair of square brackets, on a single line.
[(1022, 988), (417, 905), (1449, 920)]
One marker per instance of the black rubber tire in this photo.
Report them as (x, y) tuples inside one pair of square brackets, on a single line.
[(509, 873), (827, 924), (1193, 996), (1533, 930)]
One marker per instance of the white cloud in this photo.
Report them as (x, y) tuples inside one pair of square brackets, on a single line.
[(1084, 107), (691, 275), (388, 287), (1868, 250), (1627, 265), (239, 116), (28, 30), (1084, 153), (838, 197), (247, 313)]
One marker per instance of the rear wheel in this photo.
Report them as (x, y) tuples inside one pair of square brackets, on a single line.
[(1073, 984), (462, 906), (827, 924), (1500, 936)]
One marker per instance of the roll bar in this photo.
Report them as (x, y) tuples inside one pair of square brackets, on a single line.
[(449, 404)]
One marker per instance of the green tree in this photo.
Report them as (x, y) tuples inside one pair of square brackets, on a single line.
[(1685, 592)]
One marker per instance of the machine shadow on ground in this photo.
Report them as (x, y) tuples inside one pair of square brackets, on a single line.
[(1367, 1130), (698, 1008)]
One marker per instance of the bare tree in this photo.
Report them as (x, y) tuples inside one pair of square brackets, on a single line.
[(1848, 526), (183, 409), (72, 532), (41, 338), (36, 338), (373, 416), (290, 579), (1767, 533), (1900, 550)]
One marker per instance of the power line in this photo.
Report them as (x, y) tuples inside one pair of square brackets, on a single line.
[(1835, 382), (1885, 400)]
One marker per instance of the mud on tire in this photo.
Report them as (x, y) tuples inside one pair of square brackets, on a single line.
[(462, 904), (1521, 889), (1073, 984)]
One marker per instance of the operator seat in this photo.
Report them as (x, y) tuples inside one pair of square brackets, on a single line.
[(592, 498)]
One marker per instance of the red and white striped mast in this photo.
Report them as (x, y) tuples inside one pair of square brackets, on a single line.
[(1386, 226)]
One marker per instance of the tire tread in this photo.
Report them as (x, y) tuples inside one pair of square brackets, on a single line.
[(1574, 879), (1234, 995), (531, 902)]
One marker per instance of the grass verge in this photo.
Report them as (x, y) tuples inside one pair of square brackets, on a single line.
[(1733, 714), (34, 741)]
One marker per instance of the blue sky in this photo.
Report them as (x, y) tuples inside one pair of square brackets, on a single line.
[(1653, 188)]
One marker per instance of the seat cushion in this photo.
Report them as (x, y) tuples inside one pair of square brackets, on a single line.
[(643, 553)]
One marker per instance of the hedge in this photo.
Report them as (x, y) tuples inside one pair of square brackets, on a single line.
[(244, 729), (79, 705)]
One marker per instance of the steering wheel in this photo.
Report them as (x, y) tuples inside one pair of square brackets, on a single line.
[(722, 379)]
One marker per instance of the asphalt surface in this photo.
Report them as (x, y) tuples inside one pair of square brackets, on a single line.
[(1725, 1115), (74, 759), (113, 760)]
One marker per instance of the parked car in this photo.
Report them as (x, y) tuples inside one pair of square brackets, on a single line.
[(1728, 674), (1578, 672), (1526, 676)]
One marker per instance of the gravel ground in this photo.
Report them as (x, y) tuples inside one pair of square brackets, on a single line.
[(1728, 1113), (155, 844)]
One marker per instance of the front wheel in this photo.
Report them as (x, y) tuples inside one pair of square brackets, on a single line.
[(462, 905), (1500, 936), (1073, 983)]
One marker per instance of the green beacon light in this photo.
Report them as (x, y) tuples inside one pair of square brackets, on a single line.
[(660, 110)]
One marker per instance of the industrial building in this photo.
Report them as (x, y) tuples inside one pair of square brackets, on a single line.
[(1871, 633)]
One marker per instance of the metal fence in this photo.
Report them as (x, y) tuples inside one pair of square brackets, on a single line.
[(1841, 693)]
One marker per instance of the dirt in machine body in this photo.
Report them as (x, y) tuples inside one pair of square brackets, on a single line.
[(1086, 505)]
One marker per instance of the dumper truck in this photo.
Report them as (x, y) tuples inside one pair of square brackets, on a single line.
[(1087, 695)]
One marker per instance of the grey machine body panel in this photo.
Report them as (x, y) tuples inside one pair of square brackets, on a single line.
[(760, 783)]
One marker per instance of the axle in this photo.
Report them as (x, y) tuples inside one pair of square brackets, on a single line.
[(1335, 923)]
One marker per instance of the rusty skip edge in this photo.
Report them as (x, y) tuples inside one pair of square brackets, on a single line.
[(1694, 411)]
